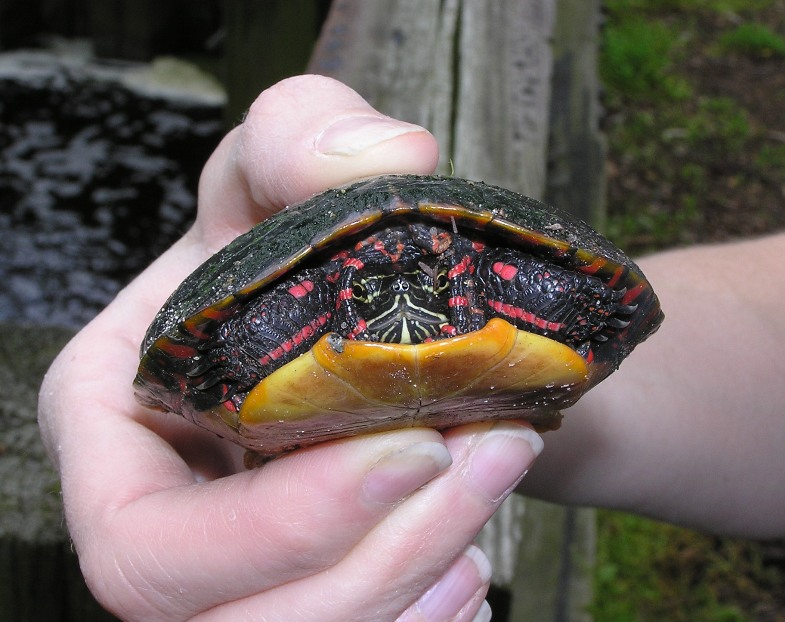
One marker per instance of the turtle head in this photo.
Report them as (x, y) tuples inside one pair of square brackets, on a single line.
[(403, 303)]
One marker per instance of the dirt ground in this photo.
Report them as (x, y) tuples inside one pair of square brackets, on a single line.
[(746, 203), (743, 192)]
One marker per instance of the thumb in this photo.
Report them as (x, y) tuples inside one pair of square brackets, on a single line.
[(300, 137)]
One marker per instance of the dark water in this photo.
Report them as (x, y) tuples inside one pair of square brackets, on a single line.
[(96, 180)]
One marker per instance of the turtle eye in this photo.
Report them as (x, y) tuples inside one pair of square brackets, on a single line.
[(441, 282), (359, 291)]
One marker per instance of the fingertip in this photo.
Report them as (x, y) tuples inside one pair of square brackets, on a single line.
[(484, 613), (496, 454), (501, 459), (400, 472), (459, 593), (366, 145)]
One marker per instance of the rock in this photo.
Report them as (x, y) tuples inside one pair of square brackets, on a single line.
[(98, 173)]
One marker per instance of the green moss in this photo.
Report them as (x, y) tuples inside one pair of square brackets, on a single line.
[(651, 571)]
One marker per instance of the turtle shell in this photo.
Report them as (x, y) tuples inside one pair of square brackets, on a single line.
[(341, 386)]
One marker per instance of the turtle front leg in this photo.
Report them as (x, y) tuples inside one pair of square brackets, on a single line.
[(543, 298), (273, 329), (348, 322), (467, 311)]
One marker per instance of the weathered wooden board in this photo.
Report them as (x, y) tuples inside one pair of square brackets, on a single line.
[(576, 150), (475, 73), (479, 75)]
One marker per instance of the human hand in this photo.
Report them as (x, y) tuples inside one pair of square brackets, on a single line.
[(167, 524)]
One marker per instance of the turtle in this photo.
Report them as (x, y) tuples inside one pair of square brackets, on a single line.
[(396, 301)]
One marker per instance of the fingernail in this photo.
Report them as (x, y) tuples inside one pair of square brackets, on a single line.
[(462, 581), (353, 135), (484, 613), (502, 458), (401, 472)]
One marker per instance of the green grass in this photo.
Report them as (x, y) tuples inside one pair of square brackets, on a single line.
[(754, 40), (718, 126), (673, 151), (671, 137), (772, 156), (674, 148), (646, 229), (659, 6), (636, 59)]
